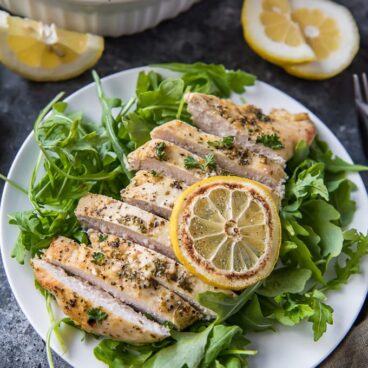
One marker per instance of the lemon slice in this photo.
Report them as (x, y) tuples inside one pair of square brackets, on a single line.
[(270, 32), (226, 230), (332, 33), (45, 53)]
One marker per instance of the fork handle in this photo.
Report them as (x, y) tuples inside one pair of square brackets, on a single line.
[(363, 129)]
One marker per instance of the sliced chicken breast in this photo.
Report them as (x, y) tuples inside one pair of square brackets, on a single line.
[(153, 192), (250, 126), (120, 279), (110, 216), (94, 310), (229, 157), (158, 193), (171, 160), (150, 265)]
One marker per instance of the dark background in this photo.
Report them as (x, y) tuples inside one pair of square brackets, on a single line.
[(210, 31)]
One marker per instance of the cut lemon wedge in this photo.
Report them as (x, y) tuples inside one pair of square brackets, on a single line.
[(331, 32), (271, 33), (226, 230), (43, 52)]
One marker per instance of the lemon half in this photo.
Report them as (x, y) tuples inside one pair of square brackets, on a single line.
[(271, 33), (43, 52), (332, 33), (226, 230)]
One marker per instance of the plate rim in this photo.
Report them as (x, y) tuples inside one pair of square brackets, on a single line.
[(26, 142)]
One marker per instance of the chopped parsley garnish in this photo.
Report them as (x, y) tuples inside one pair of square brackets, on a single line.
[(262, 117), (155, 173), (226, 142), (149, 316), (160, 151), (98, 257), (169, 325), (209, 163), (96, 315), (270, 140), (191, 163), (102, 237)]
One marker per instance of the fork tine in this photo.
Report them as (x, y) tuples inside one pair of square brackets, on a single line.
[(357, 90), (365, 86)]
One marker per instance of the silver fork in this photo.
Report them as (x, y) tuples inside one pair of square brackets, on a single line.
[(361, 103)]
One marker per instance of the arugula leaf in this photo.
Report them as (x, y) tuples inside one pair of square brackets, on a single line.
[(301, 153), (118, 354), (224, 305), (219, 340), (355, 248), (137, 128), (270, 140), (78, 158), (321, 152), (188, 350), (193, 349), (231, 362), (158, 101), (340, 198), (300, 254), (54, 324), (211, 79), (110, 124), (285, 280), (307, 181), (251, 318), (105, 351), (322, 314), (169, 91), (36, 232), (286, 247), (292, 310), (14, 184), (320, 216)]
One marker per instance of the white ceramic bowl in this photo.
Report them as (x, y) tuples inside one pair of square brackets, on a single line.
[(104, 17)]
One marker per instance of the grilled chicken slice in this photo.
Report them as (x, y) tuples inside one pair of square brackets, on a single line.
[(149, 265), (157, 193), (153, 192), (78, 300), (119, 278), (169, 159), (110, 216), (247, 123), (230, 157)]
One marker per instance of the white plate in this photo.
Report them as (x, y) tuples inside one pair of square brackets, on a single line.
[(288, 347)]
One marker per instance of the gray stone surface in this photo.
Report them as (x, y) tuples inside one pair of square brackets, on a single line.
[(209, 32)]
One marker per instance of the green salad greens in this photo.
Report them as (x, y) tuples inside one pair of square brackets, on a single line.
[(79, 156)]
